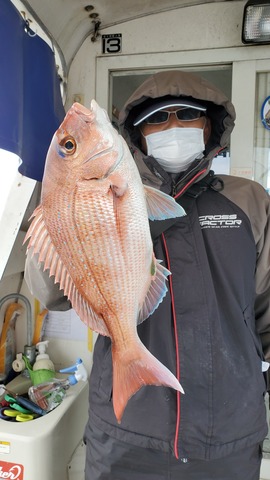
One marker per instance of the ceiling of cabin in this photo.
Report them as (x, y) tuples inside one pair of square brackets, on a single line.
[(70, 22)]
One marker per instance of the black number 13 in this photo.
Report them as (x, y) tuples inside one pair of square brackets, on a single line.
[(112, 45)]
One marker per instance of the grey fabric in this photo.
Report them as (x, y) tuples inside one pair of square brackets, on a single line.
[(110, 459)]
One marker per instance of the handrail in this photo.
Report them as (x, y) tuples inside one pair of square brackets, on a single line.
[(28, 312)]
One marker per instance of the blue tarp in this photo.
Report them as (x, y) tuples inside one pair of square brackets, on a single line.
[(31, 107)]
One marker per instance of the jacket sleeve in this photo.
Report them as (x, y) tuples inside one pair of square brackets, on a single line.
[(43, 287), (262, 301), (255, 202)]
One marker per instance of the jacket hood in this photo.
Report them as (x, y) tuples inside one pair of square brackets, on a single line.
[(184, 84)]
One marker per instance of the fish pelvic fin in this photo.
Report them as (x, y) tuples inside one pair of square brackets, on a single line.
[(41, 244), (137, 369), (156, 291), (161, 206)]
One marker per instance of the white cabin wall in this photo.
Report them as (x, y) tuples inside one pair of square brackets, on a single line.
[(200, 27)]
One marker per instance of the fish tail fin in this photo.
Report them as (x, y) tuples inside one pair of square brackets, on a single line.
[(133, 371)]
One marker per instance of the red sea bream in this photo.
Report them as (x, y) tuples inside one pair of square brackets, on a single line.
[(91, 230)]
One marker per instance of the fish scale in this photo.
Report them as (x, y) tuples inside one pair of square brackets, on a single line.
[(91, 231)]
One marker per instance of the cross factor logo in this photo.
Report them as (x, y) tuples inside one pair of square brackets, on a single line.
[(220, 221), (11, 471)]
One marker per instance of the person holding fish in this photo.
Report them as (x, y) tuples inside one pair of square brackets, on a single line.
[(170, 264)]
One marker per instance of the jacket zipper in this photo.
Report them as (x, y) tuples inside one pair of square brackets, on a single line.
[(177, 359), (177, 356), (187, 185)]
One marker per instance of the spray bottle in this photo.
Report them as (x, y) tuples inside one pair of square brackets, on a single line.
[(50, 394)]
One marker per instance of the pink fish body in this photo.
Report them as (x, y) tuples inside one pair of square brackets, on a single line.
[(91, 231)]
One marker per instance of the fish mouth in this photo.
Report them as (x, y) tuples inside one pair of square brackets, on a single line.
[(86, 115)]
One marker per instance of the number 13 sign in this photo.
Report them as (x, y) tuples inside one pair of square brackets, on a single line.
[(112, 43)]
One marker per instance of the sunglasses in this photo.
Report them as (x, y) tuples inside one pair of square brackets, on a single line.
[(183, 114)]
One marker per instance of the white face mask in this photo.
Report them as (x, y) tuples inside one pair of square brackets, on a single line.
[(176, 148)]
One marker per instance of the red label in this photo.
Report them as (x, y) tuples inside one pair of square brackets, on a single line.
[(12, 471)]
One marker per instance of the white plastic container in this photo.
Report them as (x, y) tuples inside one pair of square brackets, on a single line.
[(43, 361), (43, 448)]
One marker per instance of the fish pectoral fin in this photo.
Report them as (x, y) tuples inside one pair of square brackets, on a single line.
[(156, 291), (119, 184), (138, 368), (160, 205)]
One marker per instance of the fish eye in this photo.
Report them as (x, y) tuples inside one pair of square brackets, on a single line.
[(68, 144)]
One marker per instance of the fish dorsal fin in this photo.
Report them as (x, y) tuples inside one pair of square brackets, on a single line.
[(156, 292), (42, 245), (160, 205)]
